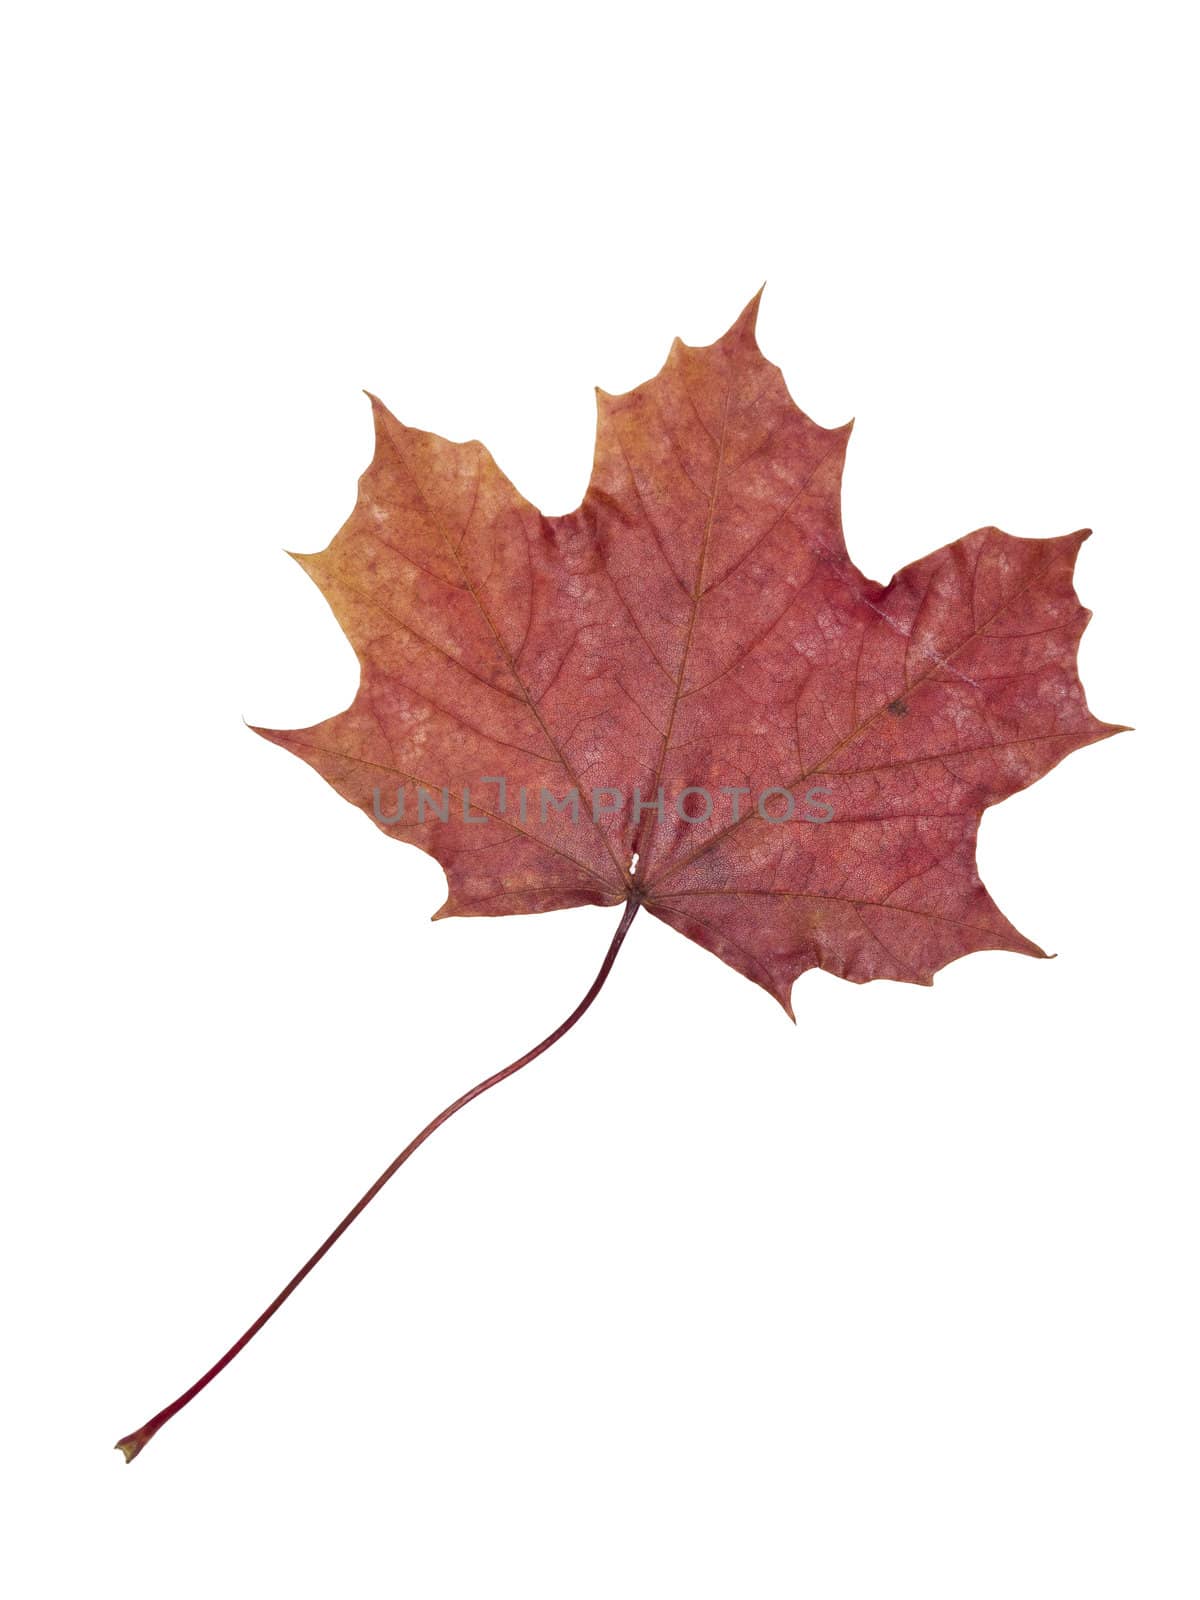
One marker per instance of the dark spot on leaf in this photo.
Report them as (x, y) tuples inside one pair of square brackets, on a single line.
[(898, 708)]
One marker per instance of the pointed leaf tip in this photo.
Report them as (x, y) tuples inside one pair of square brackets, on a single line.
[(747, 322)]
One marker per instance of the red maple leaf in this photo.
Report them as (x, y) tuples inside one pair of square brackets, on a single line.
[(697, 628), (685, 696)]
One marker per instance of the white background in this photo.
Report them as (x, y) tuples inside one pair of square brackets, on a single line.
[(900, 1301)]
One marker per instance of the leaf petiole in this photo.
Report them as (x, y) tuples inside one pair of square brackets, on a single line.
[(133, 1443)]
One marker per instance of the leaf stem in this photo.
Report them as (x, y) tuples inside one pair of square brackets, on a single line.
[(133, 1443)]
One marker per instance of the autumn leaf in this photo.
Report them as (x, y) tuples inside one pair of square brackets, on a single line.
[(694, 636), (684, 696)]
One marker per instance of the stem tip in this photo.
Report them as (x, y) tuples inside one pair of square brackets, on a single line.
[(134, 1443)]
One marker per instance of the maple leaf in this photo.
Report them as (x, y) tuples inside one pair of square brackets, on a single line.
[(685, 696), (693, 638)]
